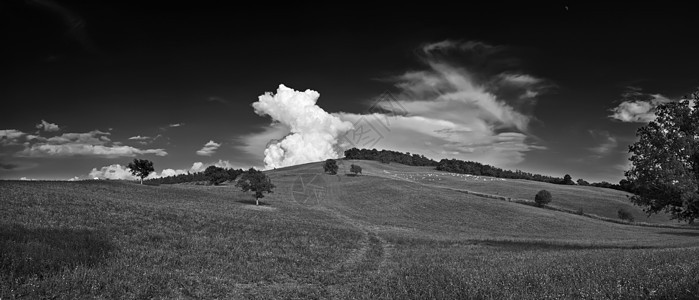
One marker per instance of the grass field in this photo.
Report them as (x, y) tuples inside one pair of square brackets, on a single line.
[(373, 236), (593, 200)]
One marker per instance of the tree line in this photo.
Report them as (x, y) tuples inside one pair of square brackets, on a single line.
[(473, 168), (213, 175), (388, 156)]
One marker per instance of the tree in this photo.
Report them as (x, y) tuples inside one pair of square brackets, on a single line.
[(582, 182), (216, 175), (355, 169), (385, 157), (330, 166), (665, 162), (141, 168), (625, 215), (256, 181), (542, 198), (568, 180)]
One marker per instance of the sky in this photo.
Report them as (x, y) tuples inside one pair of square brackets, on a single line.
[(553, 89)]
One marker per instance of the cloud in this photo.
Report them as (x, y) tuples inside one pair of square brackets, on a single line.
[(140, 138), (10, 136), (471, 46), (437, 138), (637, 107), (93, 143), (144, 140), (175, 125), (115, 172), (469, 101), (609, 143), (49, 150), (48, 127), (313, 132), (208, 149), (466, 103)]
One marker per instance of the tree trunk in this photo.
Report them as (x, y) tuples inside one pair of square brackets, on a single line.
[(257, 201), (141, 180)]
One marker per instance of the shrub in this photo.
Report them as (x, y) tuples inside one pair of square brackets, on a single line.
[(330, 166), (579, 211), (355, 169), (542, 198), (625, 215)]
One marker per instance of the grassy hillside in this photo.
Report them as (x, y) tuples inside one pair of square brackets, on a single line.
[(323, 236), (593, 200)]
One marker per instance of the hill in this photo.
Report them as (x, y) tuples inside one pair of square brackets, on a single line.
[(380, 235), (592, 200)]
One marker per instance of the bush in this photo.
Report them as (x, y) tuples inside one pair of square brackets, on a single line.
[(625, 215), (542, 198), (330, 166), (355, 169), (579, 211)]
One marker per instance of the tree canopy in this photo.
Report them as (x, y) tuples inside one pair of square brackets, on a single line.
[(355, 169), (256, 181), (665, 161), (141, 168), (330, 166)]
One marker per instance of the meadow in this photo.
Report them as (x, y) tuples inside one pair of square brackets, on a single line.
[(320, 236)]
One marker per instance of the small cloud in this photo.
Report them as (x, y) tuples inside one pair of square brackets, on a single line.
[(519, 79), (48, 127), (25, 179), (637, 107), (445, 45), (209, 148), (115, 171), (609, 143), (140, 138), (175, 125)]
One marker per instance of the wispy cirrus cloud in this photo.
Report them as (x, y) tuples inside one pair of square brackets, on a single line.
[(470, 101), (92, 143), (208, 149), (144, 140), (607, 143)]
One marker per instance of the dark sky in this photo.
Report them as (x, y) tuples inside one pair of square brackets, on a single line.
[(562, 87)]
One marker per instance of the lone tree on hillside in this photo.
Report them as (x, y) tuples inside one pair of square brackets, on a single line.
[(625, 215), (665, 161), (568, 180), (256, 181), (542, 198), (141, 168), (216, 175), (355, 169), (330, 166)]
